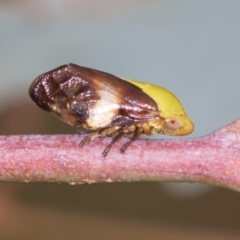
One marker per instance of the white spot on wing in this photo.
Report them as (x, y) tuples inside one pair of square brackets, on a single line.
[(103, 112)]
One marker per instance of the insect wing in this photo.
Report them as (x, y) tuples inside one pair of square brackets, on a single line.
[(88, 97)]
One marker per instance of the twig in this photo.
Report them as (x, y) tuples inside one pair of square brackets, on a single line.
[(214, 158)]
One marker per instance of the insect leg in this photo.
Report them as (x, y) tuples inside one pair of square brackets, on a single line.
[(120, 134), (84, 131), (136, 135), (88, 138), (101, 133)]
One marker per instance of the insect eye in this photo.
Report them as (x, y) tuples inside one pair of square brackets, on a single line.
[(172, 123)]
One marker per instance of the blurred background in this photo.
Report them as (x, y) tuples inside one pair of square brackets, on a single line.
[(189, 47)]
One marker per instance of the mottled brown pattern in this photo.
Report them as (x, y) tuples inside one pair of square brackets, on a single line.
[(69, 91)]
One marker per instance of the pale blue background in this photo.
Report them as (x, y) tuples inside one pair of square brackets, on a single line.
[(190, 47)]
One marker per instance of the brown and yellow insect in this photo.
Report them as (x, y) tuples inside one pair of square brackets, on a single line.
[(106, 105)]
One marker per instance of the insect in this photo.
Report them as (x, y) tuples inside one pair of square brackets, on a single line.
[(106, 105)]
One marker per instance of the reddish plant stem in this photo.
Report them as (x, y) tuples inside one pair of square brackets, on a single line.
[(214, 158)]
